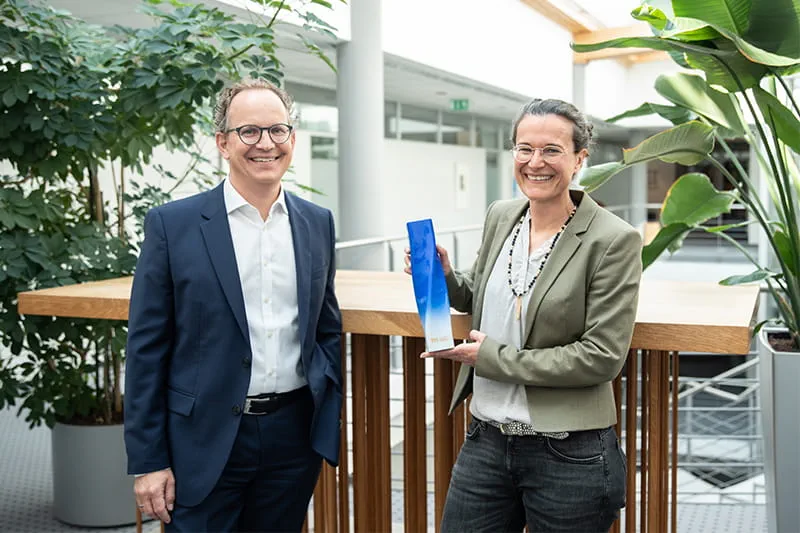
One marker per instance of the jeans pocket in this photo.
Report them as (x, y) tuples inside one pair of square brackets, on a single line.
[(474, 429), (584, 449)]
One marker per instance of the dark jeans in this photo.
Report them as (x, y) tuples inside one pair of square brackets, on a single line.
[(502, 483)]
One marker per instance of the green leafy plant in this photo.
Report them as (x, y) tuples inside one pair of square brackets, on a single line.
[(743, 52), (75, 98)]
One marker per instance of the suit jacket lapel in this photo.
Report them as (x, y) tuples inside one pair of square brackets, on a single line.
[(568, 243), (219, 245), (301, 241), (502, 228)]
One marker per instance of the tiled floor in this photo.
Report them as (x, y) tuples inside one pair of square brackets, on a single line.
[(26, 492)]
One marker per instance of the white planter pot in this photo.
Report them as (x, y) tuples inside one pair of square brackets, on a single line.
[(90, 485), (780, 421)]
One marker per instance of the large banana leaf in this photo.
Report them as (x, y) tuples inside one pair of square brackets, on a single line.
[(775, 26), (687, 144), (668, 237), (692, 200), (693, 93), (733, 15), (676, 115), (779, 118), (720, 71), (654, 43)]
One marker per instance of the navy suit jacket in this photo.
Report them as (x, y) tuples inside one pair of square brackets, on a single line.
[(188, 356)]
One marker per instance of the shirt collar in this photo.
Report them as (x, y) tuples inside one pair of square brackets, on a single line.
[(234, 200)]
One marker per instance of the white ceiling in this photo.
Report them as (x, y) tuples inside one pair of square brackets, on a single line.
[(404, 81)]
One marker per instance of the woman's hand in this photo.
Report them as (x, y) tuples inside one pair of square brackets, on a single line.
[(443, 258), (465, 353)]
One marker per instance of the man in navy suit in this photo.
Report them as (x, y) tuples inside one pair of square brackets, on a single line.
[(233, 373)]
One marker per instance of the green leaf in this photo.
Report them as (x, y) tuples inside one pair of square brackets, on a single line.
[(690, 30), (779, 118), (774, 26), (666, 237), (676, 115), (593, 177), (693, 93), (652, 15), (755, 276), (687, 144), (786, 250), (692, 200), (718, 70), (733, 15), (654, 43)]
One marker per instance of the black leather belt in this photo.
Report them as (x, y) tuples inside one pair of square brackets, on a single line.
[(268, 403)]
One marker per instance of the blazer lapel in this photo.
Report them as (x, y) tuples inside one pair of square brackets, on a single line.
[(301, 241), (568, 243), (219, 245), (502, 228)]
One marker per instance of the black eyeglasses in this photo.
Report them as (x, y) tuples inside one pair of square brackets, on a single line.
[(251, 134)]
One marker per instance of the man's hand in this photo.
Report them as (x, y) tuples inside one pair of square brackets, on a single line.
[(443, 258), (465, 353), (155, 493)]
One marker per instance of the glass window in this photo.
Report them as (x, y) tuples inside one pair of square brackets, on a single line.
[(455, 129), (324, 148), (390, 120), (488, 134), (418, 124), (318, 117)]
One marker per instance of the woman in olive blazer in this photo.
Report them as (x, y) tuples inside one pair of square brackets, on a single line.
[(553, 295)]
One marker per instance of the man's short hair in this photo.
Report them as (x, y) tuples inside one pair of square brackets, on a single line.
[(227, 94)]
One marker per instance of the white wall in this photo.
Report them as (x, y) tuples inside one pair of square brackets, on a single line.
[(611, 88), (420, 182), (502, 43)]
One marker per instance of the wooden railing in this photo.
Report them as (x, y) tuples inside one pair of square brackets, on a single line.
[(672, 317)]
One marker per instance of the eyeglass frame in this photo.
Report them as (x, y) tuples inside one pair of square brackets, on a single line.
[(540, 149), (261, 132)]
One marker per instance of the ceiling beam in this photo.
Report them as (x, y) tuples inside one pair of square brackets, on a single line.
[(551, 11), (630, 55)]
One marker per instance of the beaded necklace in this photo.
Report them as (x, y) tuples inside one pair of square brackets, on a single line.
[(518, 295)]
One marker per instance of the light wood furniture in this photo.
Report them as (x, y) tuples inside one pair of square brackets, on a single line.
[(672, 317)]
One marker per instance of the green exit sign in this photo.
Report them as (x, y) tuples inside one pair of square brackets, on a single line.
[(461, 104)]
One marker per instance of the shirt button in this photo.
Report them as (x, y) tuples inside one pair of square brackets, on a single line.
[(246, 362), (266, 300), (236, 410), (271, 373), (269, 335)]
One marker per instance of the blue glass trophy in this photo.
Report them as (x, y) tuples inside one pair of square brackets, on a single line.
[(430, 288)]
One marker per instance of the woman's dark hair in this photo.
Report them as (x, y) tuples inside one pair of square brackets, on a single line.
[(581, 127)]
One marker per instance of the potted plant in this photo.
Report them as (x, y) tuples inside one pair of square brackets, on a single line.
[(76, 100), (742, 52)]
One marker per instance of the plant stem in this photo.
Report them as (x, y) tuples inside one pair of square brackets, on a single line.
[(788, 93), (275, 16), (744, 179)]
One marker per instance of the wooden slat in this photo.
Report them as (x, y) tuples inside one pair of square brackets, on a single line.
[(361, 481), (674, 466), (643, 443), (443, 428), (672, 316), (551, 10), (631, 404), (415, 487), (344, 476)]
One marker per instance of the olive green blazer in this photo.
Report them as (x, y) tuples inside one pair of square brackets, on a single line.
[(579, 321)]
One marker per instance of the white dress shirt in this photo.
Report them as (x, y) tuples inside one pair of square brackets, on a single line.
[(265, 260), (494, 400)]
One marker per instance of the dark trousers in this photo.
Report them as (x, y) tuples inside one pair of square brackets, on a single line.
[(268, 480), (502, 483)]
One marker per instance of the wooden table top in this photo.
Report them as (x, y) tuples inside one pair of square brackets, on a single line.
[(673, 316)]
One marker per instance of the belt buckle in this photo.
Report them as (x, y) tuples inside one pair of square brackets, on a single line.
[(247, 403), (503, 429)]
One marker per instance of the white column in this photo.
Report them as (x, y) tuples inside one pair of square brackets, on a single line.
[(360, 101), (638, 193)]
